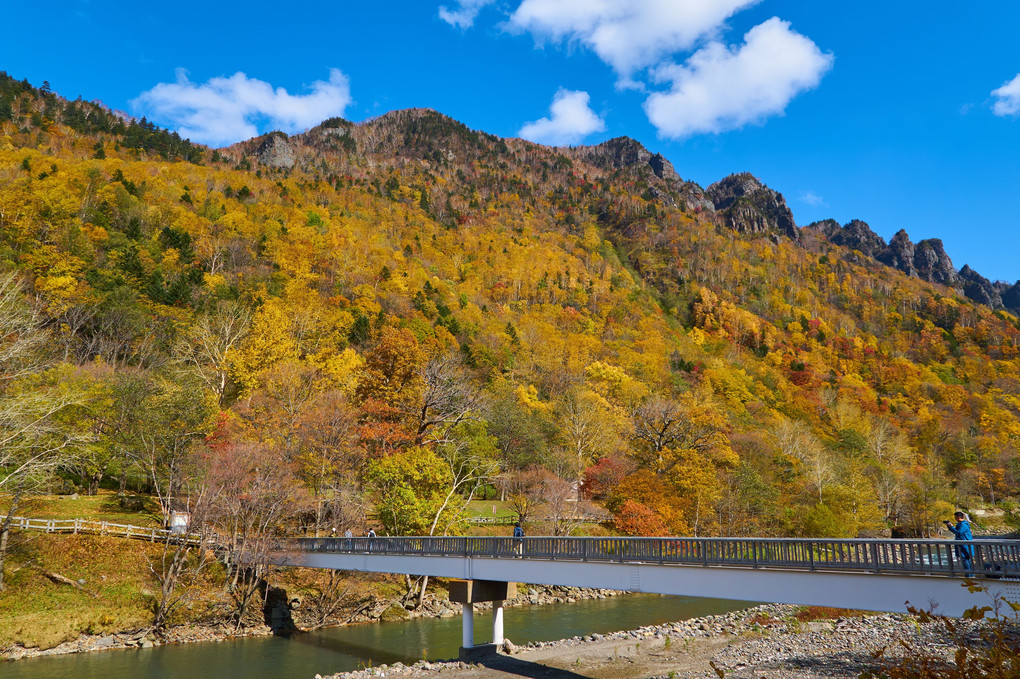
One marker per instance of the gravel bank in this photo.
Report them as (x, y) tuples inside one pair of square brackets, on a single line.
[(765, 641)]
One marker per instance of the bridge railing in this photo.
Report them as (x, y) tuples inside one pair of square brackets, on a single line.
[(998, 558)]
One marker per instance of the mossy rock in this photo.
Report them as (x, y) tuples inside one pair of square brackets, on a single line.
[(394, 613)]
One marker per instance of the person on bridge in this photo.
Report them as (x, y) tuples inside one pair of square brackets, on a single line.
[(518, 537), (961, 531)]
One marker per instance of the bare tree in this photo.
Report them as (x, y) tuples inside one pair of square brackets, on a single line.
[(333, 600), (891, 453), (207, 346), (255, 491), (330, 461), (287, 394), (36, 437), (661, 424), (587, 429), (447, 399), (174, 421), (471, 456), (525, 490), (797, 441), (559, 507), (181, 566)]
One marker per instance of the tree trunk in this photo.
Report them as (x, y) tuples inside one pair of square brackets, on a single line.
[(5, 529), (421, 593)]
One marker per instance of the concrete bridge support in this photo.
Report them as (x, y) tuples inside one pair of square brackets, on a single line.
[(469, 592)]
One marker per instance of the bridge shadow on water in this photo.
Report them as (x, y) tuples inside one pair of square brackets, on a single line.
[(501, 663), (376, 655)]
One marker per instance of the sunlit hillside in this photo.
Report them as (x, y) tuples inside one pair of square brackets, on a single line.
[(405, 314)]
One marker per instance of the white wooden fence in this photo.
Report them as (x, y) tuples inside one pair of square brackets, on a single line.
[(120, 530)]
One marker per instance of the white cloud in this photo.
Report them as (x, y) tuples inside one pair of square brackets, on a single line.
[(226, 110), (721, 89), (812, 198), (1008, 97), (629, 35), (571, 120), (464, 15)]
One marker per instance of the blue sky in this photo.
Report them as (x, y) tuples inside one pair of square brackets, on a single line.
[(904, 114)]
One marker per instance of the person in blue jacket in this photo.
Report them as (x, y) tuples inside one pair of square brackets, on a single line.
[(518, 535), (961, 531)]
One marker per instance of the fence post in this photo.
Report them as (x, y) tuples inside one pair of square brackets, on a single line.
[(874, 556)]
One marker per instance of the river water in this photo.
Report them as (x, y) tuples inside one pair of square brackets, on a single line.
[(349, 648)]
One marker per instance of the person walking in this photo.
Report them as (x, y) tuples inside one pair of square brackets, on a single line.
[(961, 532), (518, 538)]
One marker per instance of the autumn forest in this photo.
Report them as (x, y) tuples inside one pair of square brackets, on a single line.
[(378, 323)]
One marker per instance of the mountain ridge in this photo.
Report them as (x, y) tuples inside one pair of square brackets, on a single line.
[(741, 201)]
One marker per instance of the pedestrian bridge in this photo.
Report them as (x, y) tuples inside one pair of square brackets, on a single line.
[(878, 575)]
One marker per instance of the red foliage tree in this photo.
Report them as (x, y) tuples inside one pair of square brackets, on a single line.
[(636, 519)]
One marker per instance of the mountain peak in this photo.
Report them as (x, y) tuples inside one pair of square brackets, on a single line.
[(748, 206)]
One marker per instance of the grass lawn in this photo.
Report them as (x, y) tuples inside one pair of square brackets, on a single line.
[(105, 506), (485, 508), (115, 594)]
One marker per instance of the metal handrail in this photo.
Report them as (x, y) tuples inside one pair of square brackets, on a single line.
[(511, 520), (998, 558)]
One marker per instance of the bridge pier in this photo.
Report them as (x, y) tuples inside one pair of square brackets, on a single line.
[(469, 592), (497, 623), (467, 638)]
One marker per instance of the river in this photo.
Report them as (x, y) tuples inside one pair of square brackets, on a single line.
[(342, 649)]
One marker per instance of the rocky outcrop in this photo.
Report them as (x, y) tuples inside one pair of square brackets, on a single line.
[(933, 264), (825, 228), (624, 153), (621, 153), (276, 152), (979, 288), (857, 235), (926, 260), (748, 206), (1010, 294), (899, 254)]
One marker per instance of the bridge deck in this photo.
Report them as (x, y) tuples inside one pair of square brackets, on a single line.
[(881, 575), (928, 557)]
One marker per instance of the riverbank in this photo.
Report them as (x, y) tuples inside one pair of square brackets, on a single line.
[(766, 640), (434, 606)]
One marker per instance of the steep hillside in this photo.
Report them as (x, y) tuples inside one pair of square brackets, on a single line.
[(564, 314)]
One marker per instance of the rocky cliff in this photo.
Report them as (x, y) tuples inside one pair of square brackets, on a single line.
[(748, 206), (666, 185)]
